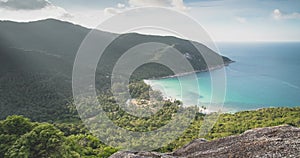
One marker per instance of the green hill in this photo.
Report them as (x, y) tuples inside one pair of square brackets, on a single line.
[(37, 60)]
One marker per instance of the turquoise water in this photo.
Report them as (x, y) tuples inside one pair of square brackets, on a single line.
[(264, 75)]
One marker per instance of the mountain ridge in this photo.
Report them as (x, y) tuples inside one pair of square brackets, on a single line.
[(37, 61)]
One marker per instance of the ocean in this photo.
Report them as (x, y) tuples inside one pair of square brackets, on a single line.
[(263, 75)]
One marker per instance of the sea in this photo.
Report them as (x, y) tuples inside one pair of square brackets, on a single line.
[(264, 74)]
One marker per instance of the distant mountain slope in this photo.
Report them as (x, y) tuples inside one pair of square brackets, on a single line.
[(37, 60)]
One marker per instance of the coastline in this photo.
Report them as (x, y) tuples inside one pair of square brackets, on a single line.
[(168, 97), (196, 71)]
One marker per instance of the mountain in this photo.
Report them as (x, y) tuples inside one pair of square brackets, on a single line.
[(277, 142), (37, 61)]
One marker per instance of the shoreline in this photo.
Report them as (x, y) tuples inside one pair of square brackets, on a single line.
[(196, 71), (168, 97), (210, 108)]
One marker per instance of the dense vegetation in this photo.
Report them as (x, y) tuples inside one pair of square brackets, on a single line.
[(20, 137), (37, 60), (40, 120)]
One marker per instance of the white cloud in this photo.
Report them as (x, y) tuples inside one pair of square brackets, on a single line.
[(278, 15), (109, 11), (89, 18), (177, 4), (241, 20), (31, 10), (120, 5), (24, 4), (141, 3)]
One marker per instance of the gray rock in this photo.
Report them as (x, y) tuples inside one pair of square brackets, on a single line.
[(275, 142)]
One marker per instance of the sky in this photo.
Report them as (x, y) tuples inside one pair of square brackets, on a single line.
[(225, 20)]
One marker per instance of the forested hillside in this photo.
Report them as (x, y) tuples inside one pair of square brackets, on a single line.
[(37, 61)]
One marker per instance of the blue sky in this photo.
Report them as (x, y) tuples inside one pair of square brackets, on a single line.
[(225, 20)]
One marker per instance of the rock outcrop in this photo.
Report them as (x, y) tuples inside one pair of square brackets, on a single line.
[(279, 141)]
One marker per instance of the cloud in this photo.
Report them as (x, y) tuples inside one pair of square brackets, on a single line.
[(140, 3), (120, 5), (31, 10), (278, 15), (177, 4), (24, 4), (241, 20), (109, 11)]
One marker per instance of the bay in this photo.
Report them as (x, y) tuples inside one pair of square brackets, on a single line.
[(263, 75)]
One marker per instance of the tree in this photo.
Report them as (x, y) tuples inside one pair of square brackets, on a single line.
[(43, 141), (15, 125)]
